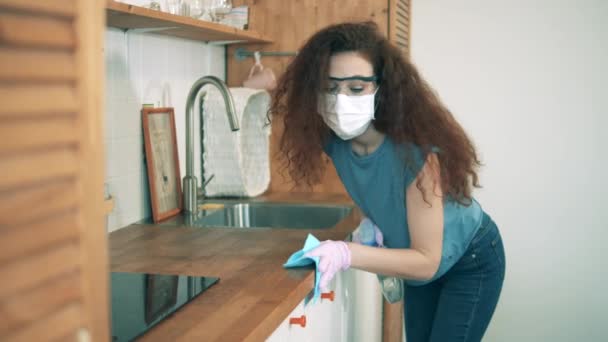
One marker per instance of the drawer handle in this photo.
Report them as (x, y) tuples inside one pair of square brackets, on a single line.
[(328, 295), (298, 320)]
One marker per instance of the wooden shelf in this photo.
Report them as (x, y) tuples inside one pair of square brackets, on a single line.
[(125, 16)]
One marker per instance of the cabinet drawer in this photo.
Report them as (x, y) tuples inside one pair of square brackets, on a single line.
[(323, 320)]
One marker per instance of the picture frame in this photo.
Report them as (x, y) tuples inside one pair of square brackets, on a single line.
[(160, 142), (161, 295)]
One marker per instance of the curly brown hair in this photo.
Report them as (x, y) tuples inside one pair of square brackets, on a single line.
[(407, 109)]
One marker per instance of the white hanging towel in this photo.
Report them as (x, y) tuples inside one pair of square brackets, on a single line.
[(240, 160)]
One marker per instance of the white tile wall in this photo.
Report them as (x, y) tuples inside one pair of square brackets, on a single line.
[(145, 68)]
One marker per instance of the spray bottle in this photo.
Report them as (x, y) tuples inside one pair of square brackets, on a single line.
[(370, 235)]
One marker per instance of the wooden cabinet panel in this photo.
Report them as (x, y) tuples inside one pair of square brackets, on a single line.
[(19, 311), (38, 99), (399, 24), (27, 30), (25, 169), (53, 257), (22, 240), (20, 135), (56, 197), (60, 326), (66, 8), (18, 65), (34, 270)]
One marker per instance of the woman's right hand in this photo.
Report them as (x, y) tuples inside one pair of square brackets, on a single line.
[(333, 256)]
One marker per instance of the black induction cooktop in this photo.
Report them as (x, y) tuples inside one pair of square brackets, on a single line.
[(141, 300)]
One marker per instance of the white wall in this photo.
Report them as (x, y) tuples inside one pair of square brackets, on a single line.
[(527, 79), (145, 68)]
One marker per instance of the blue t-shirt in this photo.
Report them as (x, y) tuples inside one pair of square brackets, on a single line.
[(377, 184)]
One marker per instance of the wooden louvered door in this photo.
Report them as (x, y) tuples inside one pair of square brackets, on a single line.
[(399, 14), (399, 24), (399, 27), (53, 249)]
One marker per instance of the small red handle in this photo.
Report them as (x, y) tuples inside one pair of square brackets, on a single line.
[(328, 295), (298, 320)]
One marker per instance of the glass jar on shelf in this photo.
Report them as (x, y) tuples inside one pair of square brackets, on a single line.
[(219, 9), (197, 8)]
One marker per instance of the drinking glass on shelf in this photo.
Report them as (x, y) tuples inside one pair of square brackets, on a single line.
[(184, 9), (155, 5), (174, 6), (197, 8), (219, 8)]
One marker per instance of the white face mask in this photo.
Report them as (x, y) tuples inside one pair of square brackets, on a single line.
[(348, 116)]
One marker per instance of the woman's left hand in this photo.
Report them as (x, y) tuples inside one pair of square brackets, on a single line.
[(333, 256)]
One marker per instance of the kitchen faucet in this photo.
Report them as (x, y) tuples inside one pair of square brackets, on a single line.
[(190, 182)]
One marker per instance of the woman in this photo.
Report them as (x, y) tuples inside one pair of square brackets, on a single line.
[(407, 164)]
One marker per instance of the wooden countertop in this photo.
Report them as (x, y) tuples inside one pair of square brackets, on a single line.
[(255, 293)]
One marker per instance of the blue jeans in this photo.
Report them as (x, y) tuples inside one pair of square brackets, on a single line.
[(459, 305)]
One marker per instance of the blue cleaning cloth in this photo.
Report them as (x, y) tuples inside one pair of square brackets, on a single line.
[(298, 259)]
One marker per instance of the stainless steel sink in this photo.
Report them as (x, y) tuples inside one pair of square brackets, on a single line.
[(273, 215), (263, 215)]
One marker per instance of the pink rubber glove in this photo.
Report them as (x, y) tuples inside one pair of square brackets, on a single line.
[(333, 256)]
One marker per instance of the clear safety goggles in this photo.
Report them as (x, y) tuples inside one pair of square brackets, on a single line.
[(351, 86)]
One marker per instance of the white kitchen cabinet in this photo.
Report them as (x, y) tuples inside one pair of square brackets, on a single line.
[(362, 307), (323, 322), (355, 314), (281, 333), (325, 316)]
